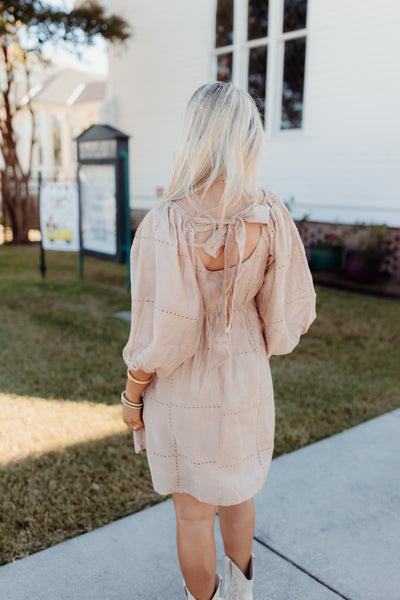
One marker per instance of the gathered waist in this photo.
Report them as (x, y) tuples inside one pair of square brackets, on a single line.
[(245, 307)]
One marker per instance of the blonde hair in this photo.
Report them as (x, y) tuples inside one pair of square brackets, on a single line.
[(222, 139)]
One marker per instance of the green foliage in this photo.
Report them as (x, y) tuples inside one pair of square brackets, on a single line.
[(45, 23), (370, 241)]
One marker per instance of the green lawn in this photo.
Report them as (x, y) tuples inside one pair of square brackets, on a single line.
[(67, 463)]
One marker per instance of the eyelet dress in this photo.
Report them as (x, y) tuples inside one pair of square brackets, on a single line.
[(209, 410)]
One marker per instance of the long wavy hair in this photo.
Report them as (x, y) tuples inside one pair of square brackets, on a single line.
[(222, 140)]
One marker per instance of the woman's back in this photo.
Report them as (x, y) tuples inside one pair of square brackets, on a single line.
[(210, 204)]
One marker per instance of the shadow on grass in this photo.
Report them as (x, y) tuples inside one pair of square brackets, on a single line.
[(59, 495)]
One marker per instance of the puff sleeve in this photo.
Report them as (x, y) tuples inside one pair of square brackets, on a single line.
[(167, 306), (286, 300)]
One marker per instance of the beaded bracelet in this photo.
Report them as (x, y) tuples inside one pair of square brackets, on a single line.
[(127, 402), (132, 378)]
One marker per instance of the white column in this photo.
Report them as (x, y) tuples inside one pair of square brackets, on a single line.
[(47, 143), (66, 146)]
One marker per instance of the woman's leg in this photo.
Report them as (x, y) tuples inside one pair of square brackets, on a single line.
[(237, 528), (196, 544)]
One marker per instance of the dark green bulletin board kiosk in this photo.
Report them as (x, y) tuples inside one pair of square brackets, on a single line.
[(103, 184)]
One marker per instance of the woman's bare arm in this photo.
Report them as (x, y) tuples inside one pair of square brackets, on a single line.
[(133, 416)]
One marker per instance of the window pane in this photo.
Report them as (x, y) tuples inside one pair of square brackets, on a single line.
[(258, 76), (224, 31), (294, 15), (293, 84), (257, 21), (224, 67)]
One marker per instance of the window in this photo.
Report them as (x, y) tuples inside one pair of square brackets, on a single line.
[(257, 51), (224, 40), (261, 45), (294, 15), (294, 20), (224, 29), (257, 19), (257, 76), (293, 83), (224, 67)]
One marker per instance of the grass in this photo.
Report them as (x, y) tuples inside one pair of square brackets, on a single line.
[(67, 463)]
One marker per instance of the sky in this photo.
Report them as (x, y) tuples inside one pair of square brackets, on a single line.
[(94, 58)]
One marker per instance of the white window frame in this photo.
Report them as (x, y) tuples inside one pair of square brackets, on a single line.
[(275, 42)]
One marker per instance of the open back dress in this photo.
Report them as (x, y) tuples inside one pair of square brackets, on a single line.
[(207, 336)]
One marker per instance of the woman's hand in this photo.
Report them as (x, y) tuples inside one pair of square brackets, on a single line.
[(132, 417)]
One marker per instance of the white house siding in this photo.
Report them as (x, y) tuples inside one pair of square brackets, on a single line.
[(345, 165), (153, 78), (342, 166)]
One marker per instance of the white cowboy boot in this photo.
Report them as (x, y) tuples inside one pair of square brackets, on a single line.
[(237, 585), (217, 589)]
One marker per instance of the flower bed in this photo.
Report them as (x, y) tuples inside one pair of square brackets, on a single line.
[(314, 234)]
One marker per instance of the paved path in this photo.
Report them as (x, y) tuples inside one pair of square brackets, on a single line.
[(327, 528), (125, 315)]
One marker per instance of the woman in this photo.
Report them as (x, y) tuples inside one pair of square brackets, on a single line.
[(220, 282)]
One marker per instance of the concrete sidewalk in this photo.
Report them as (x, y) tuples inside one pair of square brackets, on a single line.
[(327, 527)]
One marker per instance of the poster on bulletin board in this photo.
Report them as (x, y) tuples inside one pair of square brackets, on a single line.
[(59, 216), (98, 208)]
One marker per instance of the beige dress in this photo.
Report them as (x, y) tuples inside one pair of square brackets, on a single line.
[(209, 411)]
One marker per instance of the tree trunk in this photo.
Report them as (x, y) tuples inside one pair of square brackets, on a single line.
[(15, 195), (14, 182)]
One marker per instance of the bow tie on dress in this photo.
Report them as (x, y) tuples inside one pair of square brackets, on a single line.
[(233, 232)]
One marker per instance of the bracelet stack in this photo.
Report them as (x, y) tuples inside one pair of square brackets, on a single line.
[(125, 400)]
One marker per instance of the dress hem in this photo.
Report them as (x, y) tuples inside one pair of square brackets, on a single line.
[(205, 500)]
